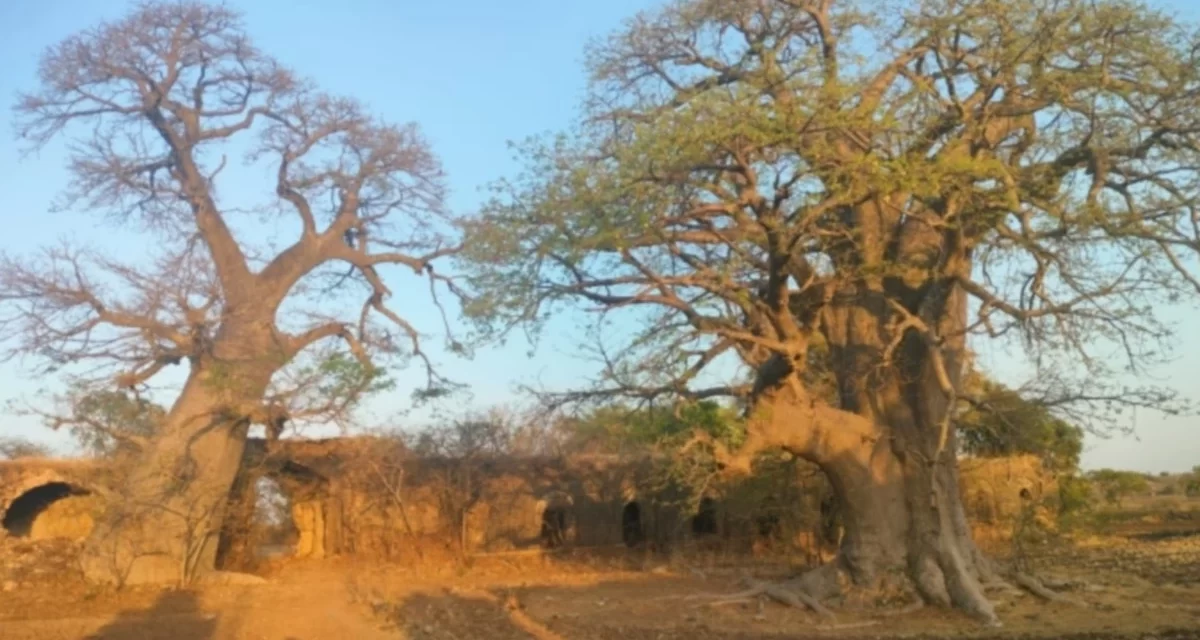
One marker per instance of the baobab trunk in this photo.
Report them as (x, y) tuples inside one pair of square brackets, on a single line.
[(163, 523), (887, 445), (904, 526)]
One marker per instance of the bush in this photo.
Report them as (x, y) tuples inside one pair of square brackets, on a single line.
[(1191, 486), (1075, 495), (1115, 485)]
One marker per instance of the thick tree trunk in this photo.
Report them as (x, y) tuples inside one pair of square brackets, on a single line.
[(886, 443), (905, 530), (164, 522)]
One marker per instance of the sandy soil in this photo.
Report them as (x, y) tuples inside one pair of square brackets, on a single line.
[(1134, 589)]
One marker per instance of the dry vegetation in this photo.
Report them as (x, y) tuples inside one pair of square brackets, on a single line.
[(1131, 588), (1128, 571), (743, 188)]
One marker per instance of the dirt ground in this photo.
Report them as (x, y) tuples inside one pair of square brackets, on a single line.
[(1133, 587)]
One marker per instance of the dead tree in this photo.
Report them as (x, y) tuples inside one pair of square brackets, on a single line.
[(747, 187), (157, 106)]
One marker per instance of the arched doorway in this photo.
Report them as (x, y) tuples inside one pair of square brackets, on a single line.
[(631, 524), (39, 513), (554, 526), (705, 520)]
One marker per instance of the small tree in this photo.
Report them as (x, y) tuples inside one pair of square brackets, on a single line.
[(111, 424), (1115, 485), (458, 453), (17, 448), (1000, 422), (1191, 486), (156, 106)]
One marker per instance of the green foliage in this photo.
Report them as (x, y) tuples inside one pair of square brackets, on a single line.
[(333, 386), (1002, 423), (1191, 486), (102, 420), (615, 427), (1075, 494), (343, 376), (1116, 485)]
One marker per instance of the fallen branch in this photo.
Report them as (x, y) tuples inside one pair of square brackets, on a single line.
[(513, 608)]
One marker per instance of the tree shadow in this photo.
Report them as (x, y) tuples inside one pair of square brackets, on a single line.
[(176, 615), (430, 617)]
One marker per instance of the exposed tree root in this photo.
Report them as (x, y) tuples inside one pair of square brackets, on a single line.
[(513, 609), (1035, 586), (759, 589), (791, 597)]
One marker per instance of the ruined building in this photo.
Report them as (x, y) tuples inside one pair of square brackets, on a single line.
[(370, 497)]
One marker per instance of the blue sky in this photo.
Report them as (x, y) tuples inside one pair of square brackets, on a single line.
[(474, 74)]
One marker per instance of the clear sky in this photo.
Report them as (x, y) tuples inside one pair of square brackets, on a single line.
[(474, 74)]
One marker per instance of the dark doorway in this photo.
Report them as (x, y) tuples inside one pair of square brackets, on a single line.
[(830, 519), (554, 527), (631, 524), (705, 520), (19, 518)]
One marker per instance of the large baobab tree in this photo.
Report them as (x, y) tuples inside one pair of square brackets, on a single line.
[(160, 107), (843, 188)]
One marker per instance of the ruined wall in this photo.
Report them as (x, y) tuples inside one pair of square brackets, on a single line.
[(44, 499), (992, 496), (369, 497), (345, 496)]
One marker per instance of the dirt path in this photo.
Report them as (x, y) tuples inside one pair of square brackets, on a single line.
[(302, 605)]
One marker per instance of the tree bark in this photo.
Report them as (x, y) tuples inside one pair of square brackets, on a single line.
[(887, 446), (165, 521), (904, 525)]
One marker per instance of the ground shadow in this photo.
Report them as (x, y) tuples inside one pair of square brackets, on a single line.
[(427, 616), (176, 615)]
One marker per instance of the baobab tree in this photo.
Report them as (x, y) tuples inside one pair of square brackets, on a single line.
[(158, 108), (813, 188)]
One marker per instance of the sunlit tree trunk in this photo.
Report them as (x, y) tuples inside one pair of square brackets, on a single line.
[(164, 523)]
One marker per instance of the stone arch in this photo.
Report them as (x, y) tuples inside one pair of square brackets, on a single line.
[(43, 509), (633, 530), (704, 521), (307, 493), (555, 519)]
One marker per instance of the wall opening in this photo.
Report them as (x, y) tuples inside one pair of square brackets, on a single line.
[(554, 526), (272, 519), (631, 524), (23, 513), (705, 520)]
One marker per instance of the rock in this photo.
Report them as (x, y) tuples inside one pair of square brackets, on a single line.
[(9, 585)]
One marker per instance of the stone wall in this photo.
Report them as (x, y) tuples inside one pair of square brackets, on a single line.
[(369, 497), (46, 498)]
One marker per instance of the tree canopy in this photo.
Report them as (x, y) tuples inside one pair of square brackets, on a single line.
[(744, 171), (159, 109), (1001, 423)]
